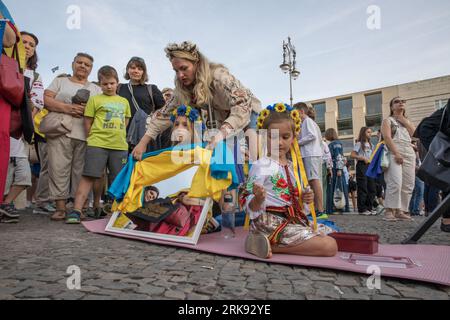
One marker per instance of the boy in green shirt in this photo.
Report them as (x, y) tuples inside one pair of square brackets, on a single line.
[(106, 117)]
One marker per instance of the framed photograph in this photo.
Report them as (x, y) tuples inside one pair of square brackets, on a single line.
[(167, 212)]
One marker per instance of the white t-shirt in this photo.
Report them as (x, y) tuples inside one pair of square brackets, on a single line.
[(310, 140), (36, 89), (326, 158), (65, 90), (363, 153), (17, 148)]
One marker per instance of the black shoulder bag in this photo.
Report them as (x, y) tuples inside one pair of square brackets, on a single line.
[(435, 169)]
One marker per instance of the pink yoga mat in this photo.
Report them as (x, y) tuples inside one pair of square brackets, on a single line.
[(434, 261)]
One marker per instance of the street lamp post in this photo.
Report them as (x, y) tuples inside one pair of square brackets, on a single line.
[(289, 63)]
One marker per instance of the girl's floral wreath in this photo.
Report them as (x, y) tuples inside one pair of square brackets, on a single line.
[(187, 111), (280, 107)]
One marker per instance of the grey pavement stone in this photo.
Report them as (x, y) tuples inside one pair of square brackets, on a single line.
[(280, 296), (176, 295), (195, 296), (132, 296), (287, 289), (346, 281), (150, 290), (41, 292), (209, 290), (70, 295), (12, 290)]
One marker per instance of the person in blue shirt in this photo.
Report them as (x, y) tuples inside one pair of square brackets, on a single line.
[(337, 155)]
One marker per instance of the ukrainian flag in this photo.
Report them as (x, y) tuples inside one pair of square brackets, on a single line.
[(20, 47)]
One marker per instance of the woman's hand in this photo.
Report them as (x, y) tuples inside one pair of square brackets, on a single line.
[(308, 196), (402, 120), (139, 150), (215, 140), (76, 110), (259, 192), (398, 158)]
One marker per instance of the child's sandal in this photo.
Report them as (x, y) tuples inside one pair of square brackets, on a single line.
[(59, 215)]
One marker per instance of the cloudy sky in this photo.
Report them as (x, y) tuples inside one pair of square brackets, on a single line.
[(337, 52)]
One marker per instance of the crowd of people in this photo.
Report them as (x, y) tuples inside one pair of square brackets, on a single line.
[(85, 132)]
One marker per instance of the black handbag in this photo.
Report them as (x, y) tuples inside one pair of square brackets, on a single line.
[(435, 169)]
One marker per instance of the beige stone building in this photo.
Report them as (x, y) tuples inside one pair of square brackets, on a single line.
[(349, 113)]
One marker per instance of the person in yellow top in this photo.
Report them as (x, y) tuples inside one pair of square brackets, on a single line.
[(106, 118)]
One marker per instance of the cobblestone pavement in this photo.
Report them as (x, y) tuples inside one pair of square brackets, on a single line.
[(36, 253)]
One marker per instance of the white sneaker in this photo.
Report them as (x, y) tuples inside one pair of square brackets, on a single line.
[(374, 212), (366, 213)]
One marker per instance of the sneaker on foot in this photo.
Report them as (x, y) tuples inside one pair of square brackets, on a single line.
[(373, 212), (9, 211), (366, 213), (45, 209), (380, 209), (9, 220), (73, 217)]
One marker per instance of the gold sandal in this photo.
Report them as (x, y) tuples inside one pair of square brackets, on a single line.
[(59, 215), (258, 245)]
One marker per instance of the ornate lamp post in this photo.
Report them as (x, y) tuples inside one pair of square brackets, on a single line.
[(289, 63)]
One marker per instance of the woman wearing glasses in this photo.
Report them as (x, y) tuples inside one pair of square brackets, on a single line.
[(397, 131)]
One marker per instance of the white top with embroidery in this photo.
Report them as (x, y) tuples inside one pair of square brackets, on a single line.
[(269, 174)]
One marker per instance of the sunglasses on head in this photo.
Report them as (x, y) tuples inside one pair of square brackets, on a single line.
[(137, 59)]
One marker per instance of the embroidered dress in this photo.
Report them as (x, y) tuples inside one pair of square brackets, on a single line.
[(281, 217)]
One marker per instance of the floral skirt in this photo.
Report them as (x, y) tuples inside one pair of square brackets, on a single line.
[(292, 235)]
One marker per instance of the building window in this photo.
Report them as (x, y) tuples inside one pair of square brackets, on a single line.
[(374, 141), (374, 113), (345, 122), (439, 104), (348, 145), (320, 109), (373, 104)]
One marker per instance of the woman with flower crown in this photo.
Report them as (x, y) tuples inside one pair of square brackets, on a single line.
[(274, 194), (209, 88)]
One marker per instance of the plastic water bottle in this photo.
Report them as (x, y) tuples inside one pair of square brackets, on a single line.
[(228, 216)]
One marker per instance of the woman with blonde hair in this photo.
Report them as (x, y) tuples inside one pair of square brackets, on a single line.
[(224, 103)]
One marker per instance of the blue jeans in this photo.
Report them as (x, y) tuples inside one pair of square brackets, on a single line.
[(417, 197), (431, 198)]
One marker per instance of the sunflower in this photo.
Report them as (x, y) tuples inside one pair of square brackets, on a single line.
[(265, 113), (295, 115), (280, 108), (260, 122)]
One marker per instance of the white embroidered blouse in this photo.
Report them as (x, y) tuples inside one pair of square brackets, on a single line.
[(269, 174)]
